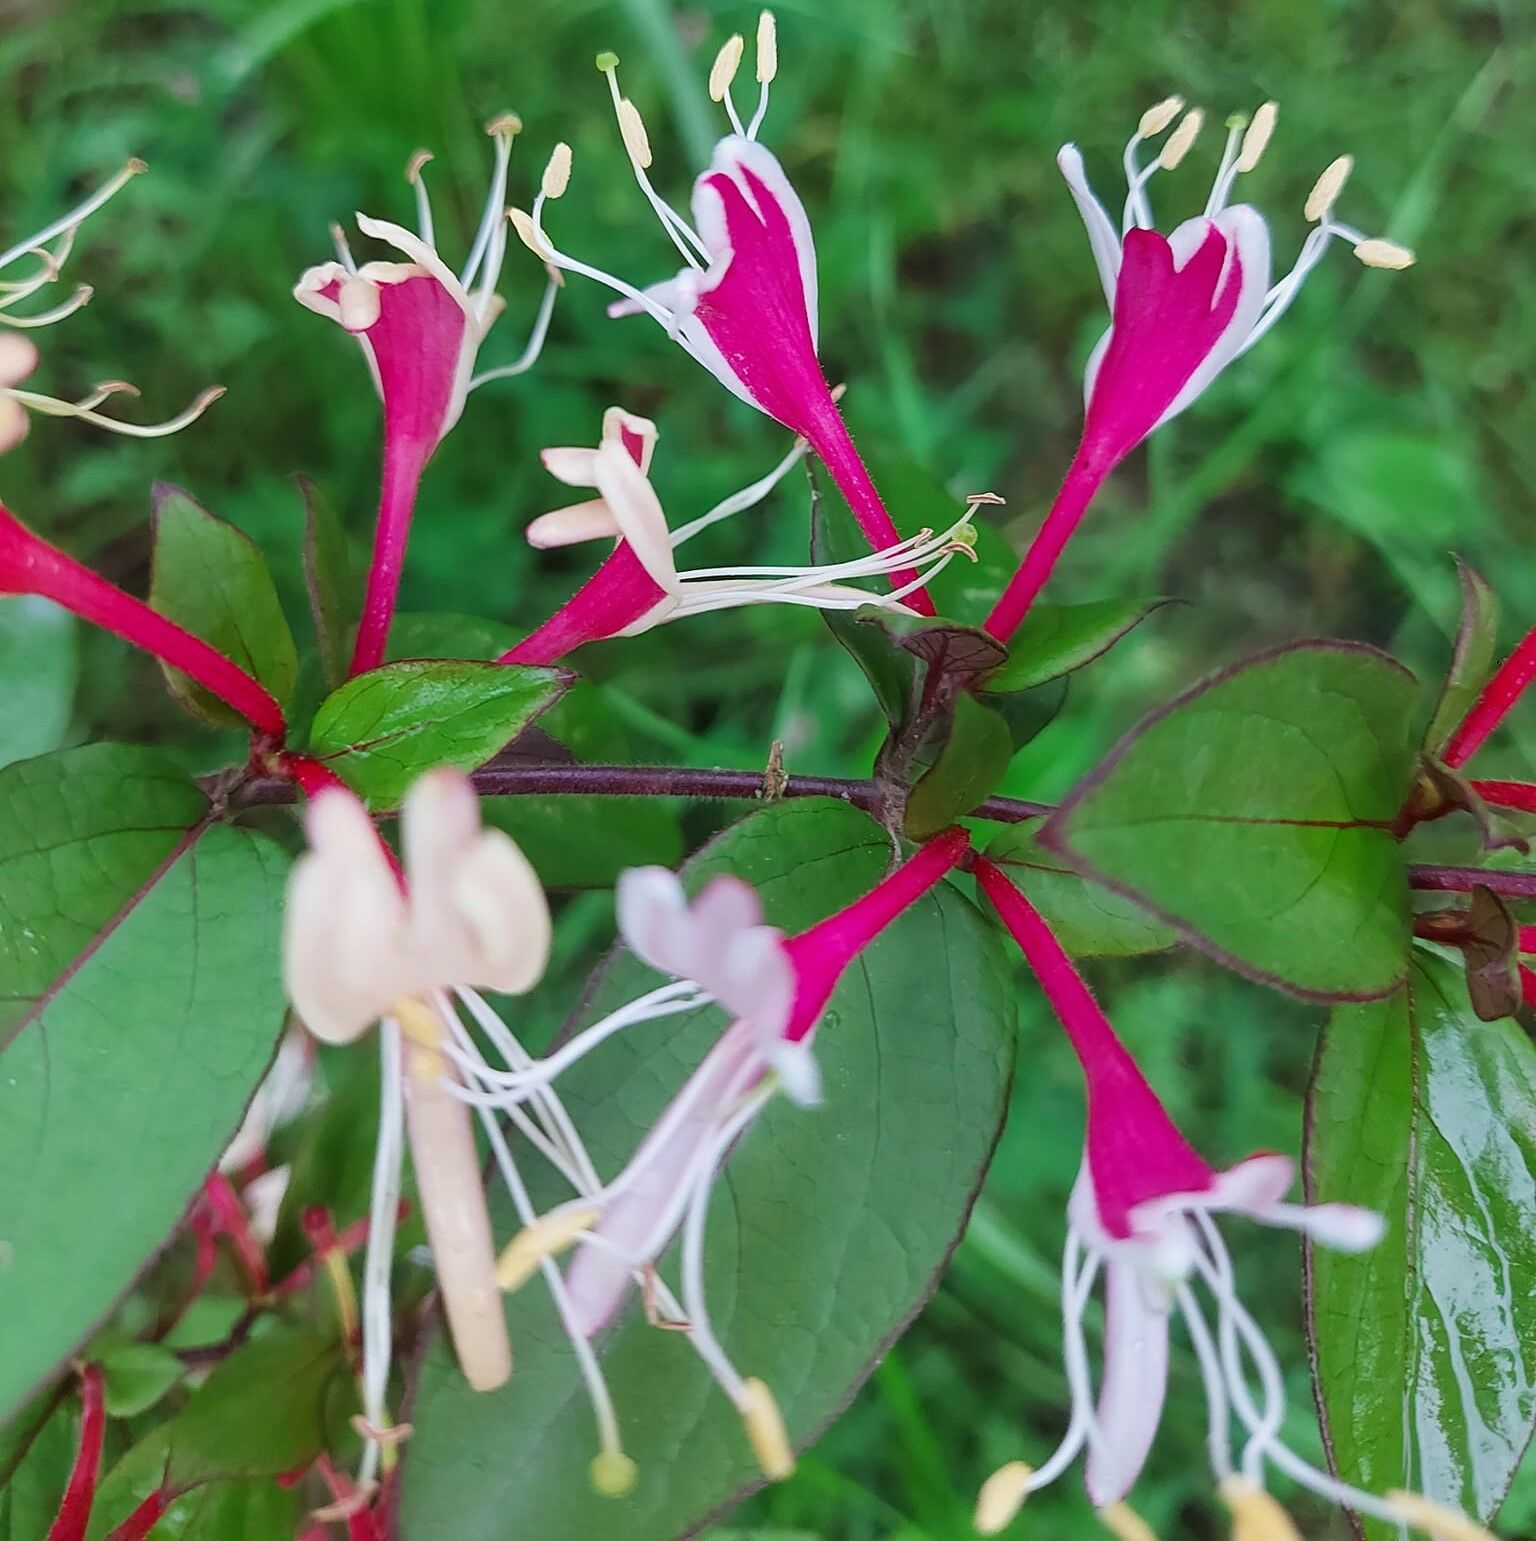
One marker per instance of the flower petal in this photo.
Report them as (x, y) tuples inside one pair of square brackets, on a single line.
[(1134, 1384)]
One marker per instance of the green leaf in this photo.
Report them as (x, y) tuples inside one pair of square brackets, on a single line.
[(1089, 920), (141, 981), (383, 729), (333, 599), (136, 1376), (211, 579), (825, 1238), (1425, 1347), (1286, 772), (39, 668), (1056, 639), (30, 1497), (968, 768), (1472, 656)]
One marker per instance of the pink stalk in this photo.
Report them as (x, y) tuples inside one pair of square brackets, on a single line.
[(1498, 695), (405, 458), (80, 1493), (29, 565), (231, 1220), (1084, 478), (143, 1519), (1520, 795), (1527, 942), (311, 774), (617, 594), (821, 954), (1528, 985)]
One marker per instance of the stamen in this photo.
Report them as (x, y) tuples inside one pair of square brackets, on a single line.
[(51, 406), (535, 344), (1157, 117), (1226, 172), (66, 224), (767, 48), (1001, 1497), (557, 174), (1256, 140), (530, 234), (748, 497), (1256, 1516), (490, 238), (343, 251), (766, 1432), (1325, 191), (1436, 1519), (727, 62), (1181, 140), (547, 1237), (612, 1473), (1378, 253), (632, 130), (1123, 1521), (81, 296), (413, 175)]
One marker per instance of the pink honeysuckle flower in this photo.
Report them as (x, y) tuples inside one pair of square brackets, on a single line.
[(744, 304), (421, 327), (776, 989), (50, 248), (363, 943), (1142, 1217), (1182, 307), (29, 565), (638, 585)]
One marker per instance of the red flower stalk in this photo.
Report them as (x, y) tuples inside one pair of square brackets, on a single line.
[(80, 1493), (29, 565), (143, 1519), (1508, 684)]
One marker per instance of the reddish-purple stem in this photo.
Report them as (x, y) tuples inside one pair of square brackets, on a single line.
[(80, 1493), (143, 1519), (1462, 880), (1498, 695), (1520, 795)]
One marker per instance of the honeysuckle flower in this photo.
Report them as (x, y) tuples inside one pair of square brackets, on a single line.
[(29, 565), (364, 943), (744, 305), (776, 989), (1142, 1217), (49, 248), (421, 327), (639, 585), (1182, 306)]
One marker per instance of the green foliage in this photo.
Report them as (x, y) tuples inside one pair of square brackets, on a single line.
[(168, 974), (382, 729), (212, 579), (40, 665), (1426, 1346), (328, 582), (136, 1376), (1472, 657), (1253, 814), (975, 754), (1059, 639), (828, 1232)]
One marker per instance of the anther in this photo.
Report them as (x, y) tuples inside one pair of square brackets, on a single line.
[(1156, 118), (1181, 140), (527, 233), (1325, 191), (632, 131), (1256, 1516), (546, 1237), (507, 123), (1256, 139), (765, 1431), (135, 167), (557, 174), (727, 62), (1122, 1521), (1439, 1520), (612, 1473), (767, 48), (414, 166), (1002, 1496), (1377, 253)]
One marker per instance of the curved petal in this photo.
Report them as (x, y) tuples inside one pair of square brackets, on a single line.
[(1103, 238), (622, 485), (1134, 1384)]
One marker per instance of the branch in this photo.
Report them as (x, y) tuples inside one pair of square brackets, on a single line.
[(574, 780), (1462, 880)]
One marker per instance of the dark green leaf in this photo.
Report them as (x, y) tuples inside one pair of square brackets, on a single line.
[(440, 634), (1425, 1347), (333, 601), (30, 1497), (1284, 772), (968, 768), (1472, 656), (144, 999), (136, 1376), (211, 579), (1088, 919), (826, 1236), (1056, 639), (383, 729), (39, 668)]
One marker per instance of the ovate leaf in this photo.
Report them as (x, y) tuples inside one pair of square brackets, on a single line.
[(1472, 656), (969, 767), (210, 578), (1254, 815), (140, 973), (1057, 639), (383, 729), (825, 1237), (1425, 1347), (136, 1376)]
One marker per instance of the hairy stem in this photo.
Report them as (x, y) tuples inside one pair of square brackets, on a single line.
[(1462, 880)]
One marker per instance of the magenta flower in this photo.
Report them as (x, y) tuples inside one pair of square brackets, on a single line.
[(1142, 1218), (421, 327), (775, 988), (744, 303), (1182, 307), (639, 586)]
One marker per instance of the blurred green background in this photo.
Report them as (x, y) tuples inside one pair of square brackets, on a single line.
[(1319, 488)]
